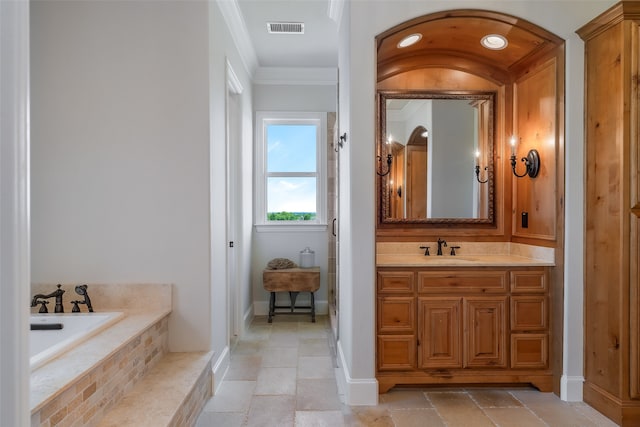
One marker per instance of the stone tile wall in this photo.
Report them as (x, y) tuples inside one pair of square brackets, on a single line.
[(85, 401)]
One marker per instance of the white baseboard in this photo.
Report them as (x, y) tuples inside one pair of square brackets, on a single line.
[(247, 319), (571, 388), (261, 308), (220, 367), (356, 392)]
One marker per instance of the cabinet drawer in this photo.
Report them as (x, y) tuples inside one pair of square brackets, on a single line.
[(396, 352), (530, 281), (529, 351), (396, 282), (396, 314), (462, 281), (529, 313)]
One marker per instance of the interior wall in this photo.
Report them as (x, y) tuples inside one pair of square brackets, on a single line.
[(366, 20), (288, 244), (120, 151)]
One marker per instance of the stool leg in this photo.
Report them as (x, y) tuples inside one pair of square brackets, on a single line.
[(272, 303), (292, 297), (313, 308)]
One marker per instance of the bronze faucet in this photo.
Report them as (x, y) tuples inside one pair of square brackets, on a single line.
[(82, 290), (441, 243), (39, 299)]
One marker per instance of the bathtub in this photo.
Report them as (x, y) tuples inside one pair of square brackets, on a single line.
[(45, 345)]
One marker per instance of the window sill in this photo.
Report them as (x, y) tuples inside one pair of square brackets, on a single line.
[(290, 227)]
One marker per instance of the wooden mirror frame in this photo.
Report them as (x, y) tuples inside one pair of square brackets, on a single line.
[(383, 190)]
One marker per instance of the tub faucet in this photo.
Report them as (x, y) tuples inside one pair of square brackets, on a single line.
[(37, 299), (441, 243), (82, 290)]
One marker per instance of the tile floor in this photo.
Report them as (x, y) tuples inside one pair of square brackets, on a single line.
[(282, 374)]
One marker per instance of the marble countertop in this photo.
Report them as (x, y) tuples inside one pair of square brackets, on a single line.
[(411, 260), (468, 254), (48, 381)]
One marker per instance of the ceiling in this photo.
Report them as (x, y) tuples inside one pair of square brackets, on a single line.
[(451, 39), (317, 47)]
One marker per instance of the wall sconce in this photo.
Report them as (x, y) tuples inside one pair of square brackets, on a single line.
[(389, 161), (478, 169), (531, 162)]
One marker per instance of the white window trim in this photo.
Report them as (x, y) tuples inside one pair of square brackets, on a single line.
[(264, 118)]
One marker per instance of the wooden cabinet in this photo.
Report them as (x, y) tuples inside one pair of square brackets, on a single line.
[(612, 215), (462, 326), (439, 332)]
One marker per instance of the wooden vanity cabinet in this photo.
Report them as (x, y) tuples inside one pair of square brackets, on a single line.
[(462, 326)]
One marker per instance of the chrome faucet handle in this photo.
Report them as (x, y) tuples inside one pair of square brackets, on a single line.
[(426, 250), (453, 250)]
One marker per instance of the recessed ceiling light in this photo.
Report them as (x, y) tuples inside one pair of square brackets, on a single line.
[(494, 41), (409, 40)]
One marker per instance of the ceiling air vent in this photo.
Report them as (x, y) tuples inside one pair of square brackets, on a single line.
[(285, 27)]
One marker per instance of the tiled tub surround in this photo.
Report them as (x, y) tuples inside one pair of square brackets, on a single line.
[(80, 386), (479, 254)]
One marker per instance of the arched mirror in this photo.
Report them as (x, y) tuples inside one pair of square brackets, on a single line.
[(436, 157)]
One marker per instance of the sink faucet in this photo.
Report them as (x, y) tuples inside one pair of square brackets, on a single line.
[(82, 290), (38, 299), (441, 243)]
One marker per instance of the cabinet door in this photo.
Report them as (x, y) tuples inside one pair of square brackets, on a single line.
[(485, 331), (396, 315), (439, 333)]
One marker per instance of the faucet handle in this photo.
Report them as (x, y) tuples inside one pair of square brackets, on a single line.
[(43, 307), (453, 250), (426, 250)]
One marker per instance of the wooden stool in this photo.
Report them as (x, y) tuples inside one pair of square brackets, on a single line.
[(294, 281)]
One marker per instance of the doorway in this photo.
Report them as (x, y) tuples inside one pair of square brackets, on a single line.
[(233, 141)]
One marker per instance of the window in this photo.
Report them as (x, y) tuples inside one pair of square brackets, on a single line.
[(290, 169)]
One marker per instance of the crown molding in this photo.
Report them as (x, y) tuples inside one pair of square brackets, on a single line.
[(296, 76), (238, 29)]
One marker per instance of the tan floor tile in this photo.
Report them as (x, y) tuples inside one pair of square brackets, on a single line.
[(282, 339), (599, 419), (561, 414), (319, 419), (492, 398), (458, 410), (514, 417), (529, 396), (367, 416), (405, 399), (245, 347), (276, 381), (269, 411), (313, 347), (226, 419), (416, 418), (243, 367), (257, 333), (280, 357), (232, 396), (310, 367), (317, 395)]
